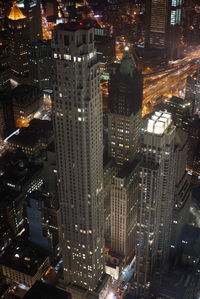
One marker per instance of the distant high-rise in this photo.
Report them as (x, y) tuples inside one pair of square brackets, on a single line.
[(125, 102), (156, 202), (163, 18), (77, 113), (33, 12), (18, 38), (41, 67)]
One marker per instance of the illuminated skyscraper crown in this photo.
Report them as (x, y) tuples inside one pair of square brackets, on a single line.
[(159, 122), (15, 13)]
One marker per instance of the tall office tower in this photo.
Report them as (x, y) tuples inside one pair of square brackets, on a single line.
[(163, 26), (182, 193), (77, 110), (125, 102), (33, 13), (124, 201), (18, 37), (156, 201), (41, 67)]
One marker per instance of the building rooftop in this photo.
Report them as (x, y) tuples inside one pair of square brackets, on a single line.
[(128, 168), (159, 122), (31, 135), (25, 137), (43, 42), (74, 26), (15, 13), (24, 91), (16, 174), (45, 291), (176, 100), (23, 256)]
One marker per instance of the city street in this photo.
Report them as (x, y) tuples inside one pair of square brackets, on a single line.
[(119, 287)]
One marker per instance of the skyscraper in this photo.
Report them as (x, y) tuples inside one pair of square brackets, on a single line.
[(124, 201), (163, 25), (77, 110), (156, 200), (33, 13), (41, 68), (18, 38), (182, 194), (125, 102)]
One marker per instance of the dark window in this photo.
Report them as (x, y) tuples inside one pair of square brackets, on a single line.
[(91, 39), (56, 37), (84, 38), (66, 40)]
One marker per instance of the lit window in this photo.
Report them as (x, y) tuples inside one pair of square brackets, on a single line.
[(67, 57)]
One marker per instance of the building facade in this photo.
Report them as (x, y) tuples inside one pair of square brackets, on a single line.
[(24, 262), (182, 193), (26, 101), (18, 38), (124, 201), (125, 102), (156, 201), (163, 25), (77, 111), (41, 66), (32, 10)]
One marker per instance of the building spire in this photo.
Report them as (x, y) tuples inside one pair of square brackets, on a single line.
[(128, 63), (15, 13)]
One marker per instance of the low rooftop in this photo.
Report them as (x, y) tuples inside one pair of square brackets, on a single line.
[(74, 26), (128, 168), (30, 136), (25, 92), (23, 256), (45, 291), (16, 171)]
